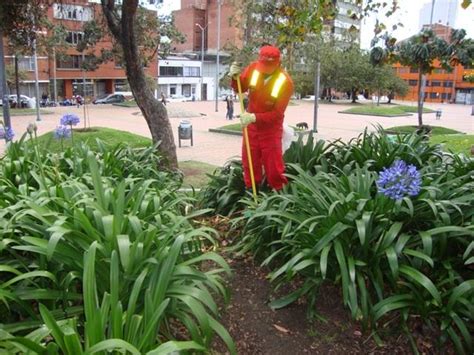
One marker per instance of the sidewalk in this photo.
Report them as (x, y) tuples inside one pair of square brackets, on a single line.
[(216, 148)]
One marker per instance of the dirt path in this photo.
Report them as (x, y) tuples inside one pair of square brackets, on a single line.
[(257, 329)]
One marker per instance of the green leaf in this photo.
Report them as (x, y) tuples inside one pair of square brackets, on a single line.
[(113, 344), (50, 322), (422, 280), (176, 347)]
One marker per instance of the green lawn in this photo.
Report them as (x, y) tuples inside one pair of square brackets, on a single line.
[(436, 130), (235, 127), (194, 172), (384, 110), (25, 112), (107, 135), (458, 143)]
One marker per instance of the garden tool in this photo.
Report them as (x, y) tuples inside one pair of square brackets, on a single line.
[(246, 139)]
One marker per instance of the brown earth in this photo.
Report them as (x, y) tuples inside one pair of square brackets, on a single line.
[(257, 329)]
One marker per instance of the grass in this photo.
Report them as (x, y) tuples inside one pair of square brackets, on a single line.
[(436, 130), (195, 173), (107, 135), (235, 127), (386, 111), (25, 112), (461, 143)]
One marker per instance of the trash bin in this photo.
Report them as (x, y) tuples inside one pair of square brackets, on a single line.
[(438, 114), (185, 131)]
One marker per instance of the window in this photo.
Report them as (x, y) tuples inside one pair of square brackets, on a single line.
[(413, 82), (171, 71), (439, 71), (434, 95), (403, 70), (446, 96), (69, 62), (435, 83), (72, 12), (413, 70), (26, 64), (448, 84), (74, 37), (191, 71), (427, 83)]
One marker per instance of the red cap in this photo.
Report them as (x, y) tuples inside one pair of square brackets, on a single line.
[(268, 59)]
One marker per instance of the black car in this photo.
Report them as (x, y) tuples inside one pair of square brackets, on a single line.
[(109, 99)]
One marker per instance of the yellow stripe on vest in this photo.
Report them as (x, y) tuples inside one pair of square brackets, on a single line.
[(278, 84), (254, 78)]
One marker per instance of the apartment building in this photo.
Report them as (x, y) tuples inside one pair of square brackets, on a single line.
[(63, 73)]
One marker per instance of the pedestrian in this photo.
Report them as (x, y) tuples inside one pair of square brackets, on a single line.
[(230, 107), (163, 99), (269, 90)]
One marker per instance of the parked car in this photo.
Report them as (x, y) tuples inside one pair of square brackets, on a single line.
[(179, 98), (25, 101), (109, 99)]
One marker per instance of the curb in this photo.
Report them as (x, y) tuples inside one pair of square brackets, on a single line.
[(376, 114), (225, 131)]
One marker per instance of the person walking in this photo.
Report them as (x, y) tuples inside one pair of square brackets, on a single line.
[(230, 107), (163, 99), (269, 89)]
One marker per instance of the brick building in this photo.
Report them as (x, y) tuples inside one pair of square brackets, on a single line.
[(66, 70), (204, 13), (441, 85)]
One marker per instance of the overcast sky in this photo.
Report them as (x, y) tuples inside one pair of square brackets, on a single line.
[(408, 14)]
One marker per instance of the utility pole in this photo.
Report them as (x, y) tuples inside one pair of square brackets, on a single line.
[(3, 85), (35, 59), (202, 57), (55, 87), (218, 48), (421, 99), (316, 96)]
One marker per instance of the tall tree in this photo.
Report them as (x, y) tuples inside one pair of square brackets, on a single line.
[(423, 50), (122, 22)]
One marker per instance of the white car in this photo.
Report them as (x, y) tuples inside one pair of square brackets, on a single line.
[(28, 102)]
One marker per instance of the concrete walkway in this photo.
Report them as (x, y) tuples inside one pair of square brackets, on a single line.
[(215, 148)]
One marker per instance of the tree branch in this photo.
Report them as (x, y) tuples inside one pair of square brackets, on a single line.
[(108, 8)]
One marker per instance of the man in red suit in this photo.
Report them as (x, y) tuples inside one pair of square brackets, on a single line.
[(269, 89)]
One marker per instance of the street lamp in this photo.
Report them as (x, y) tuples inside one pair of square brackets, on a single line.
[(202, 54), (218, 48)]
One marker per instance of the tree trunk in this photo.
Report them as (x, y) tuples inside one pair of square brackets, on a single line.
[(378, 98), (330, 94), (390, 95), (420, 99), (154, 112), (17, 80), (353, 94)]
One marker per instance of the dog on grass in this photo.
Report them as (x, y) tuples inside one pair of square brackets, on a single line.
[(302, 126)]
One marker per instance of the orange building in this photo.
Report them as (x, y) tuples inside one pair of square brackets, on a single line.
[(65, 70), (441, 85)]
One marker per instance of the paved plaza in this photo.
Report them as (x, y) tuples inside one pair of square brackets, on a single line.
[(216, 148)]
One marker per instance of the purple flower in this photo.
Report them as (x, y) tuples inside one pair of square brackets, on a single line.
[(399, 180), (7, 133), (69, 119), (62, 132)]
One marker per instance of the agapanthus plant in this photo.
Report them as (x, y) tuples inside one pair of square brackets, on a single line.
[(6, 133), (69, 119), (399, 180), (62, 132)]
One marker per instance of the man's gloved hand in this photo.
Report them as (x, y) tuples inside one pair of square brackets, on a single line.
[(247, 118), (234, 69)]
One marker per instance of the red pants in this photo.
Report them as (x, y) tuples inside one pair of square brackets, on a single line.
[(267, 152)]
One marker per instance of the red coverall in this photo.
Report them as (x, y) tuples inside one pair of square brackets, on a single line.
[(266, 133)]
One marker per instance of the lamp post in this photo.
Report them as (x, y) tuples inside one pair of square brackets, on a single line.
[(202, 56), (218, 48), (35, 59)]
